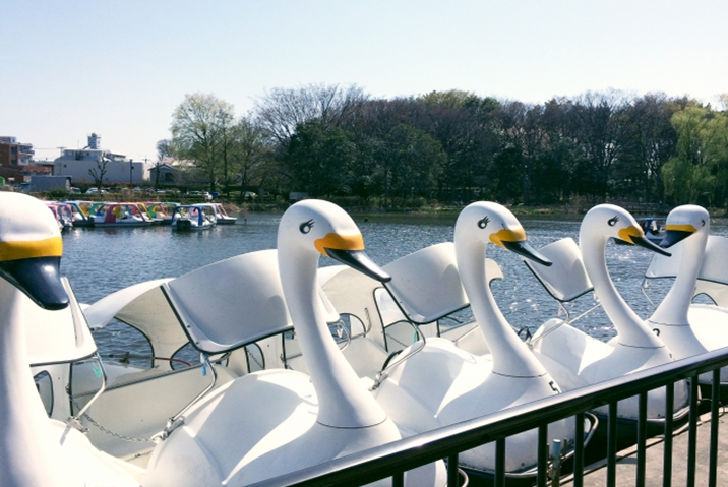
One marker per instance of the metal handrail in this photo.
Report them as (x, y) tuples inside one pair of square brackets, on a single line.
[(397, 457), (382, 374)]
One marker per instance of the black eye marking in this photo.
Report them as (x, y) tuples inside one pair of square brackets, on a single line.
[(484, 222), (306, 227), (703, 222), (613, 221)]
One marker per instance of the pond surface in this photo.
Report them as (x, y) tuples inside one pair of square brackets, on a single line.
[(98, 262)]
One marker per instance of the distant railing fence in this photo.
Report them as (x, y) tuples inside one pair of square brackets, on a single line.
[(393, 459)]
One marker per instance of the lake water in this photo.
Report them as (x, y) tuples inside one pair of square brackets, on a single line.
[(98, 262)]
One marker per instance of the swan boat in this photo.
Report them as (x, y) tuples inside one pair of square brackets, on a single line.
[(62, 213), (690, 329), (193, 218), (220, 214), (574, 358), (161, 210), (433, 383), (336, 410), (304, 419), (36, 450), (79, 210), (119, 215)]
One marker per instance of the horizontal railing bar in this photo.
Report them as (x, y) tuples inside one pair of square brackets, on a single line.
[(412, 452)]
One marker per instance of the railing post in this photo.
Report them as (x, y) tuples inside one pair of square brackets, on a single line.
[(612, 446), (579, 450), (667, 445), (692, 430), (500, 463), (398, 479), (453, 475), (543, 453), (714, 422), (642, 440)]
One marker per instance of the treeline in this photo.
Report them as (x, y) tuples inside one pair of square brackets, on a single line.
[(329, 140)]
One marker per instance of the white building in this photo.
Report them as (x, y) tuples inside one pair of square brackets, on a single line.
[(82, 164)]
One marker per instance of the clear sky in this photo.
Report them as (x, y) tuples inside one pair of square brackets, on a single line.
[(119, 68)]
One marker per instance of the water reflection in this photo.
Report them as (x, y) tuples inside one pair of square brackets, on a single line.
[(98, 262)]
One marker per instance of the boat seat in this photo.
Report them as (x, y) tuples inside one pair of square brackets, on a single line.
[(426, 284), (714, 268), (713, 274), (566, 279), (229, 304), (135, 409)]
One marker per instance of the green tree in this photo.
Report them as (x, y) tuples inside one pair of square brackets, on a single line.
[(200, 133), (699, 171), (412, 161), (320, 160), (250, 155)]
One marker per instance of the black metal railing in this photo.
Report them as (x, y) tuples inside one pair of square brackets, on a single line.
[(393, 459)]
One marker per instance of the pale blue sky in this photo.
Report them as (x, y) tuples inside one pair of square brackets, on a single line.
[(119, 68)]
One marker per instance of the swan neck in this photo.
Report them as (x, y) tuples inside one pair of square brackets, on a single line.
[(673, 310), (343, 401), (631, 329), (30, 454), (510, 355)]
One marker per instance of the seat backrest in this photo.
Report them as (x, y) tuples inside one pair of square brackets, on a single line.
[(715, 261), (426, 284), (227, 304), (714, 267), (566, 279)]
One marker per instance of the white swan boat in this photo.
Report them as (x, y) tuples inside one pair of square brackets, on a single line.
[(273, 415), (137, 402), (433, 383), (571, 356), (690, 329), (193, 218), (36, 450), (220, 214), (276, 393)]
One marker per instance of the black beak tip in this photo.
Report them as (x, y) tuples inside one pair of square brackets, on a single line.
[(361, 262), (39, 279), (526, 250), (643, 242), (672, 237)]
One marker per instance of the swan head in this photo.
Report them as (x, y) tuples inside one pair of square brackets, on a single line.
[(684, 221), (30, 250), (489, 222), (612, 221), (324, 227)]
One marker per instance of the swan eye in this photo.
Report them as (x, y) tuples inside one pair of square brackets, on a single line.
[(703, 222), (613, 221), (306, 227), (484, 222)]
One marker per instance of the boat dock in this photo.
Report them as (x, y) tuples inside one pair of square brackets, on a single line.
[(595, 475)]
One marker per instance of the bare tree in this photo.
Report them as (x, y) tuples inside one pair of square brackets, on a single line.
[(99, 172), (164, 150), (282, 109)]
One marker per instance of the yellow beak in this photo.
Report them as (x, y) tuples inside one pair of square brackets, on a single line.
[(508, 236)]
